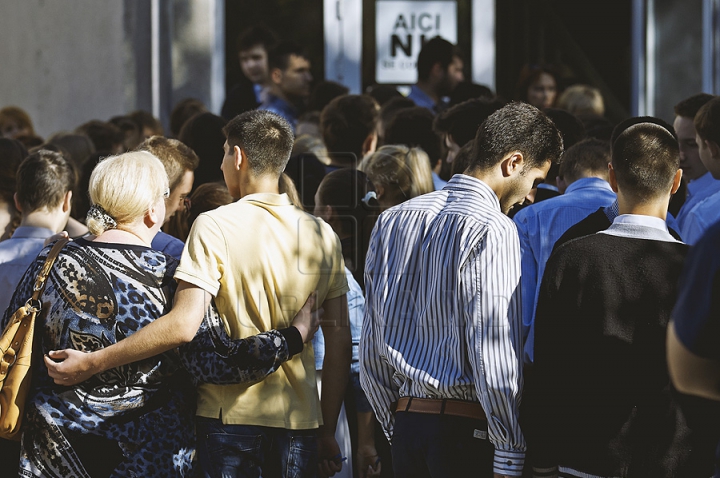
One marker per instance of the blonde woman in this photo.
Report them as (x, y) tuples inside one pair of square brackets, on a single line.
[(398, 174), (134, 420)]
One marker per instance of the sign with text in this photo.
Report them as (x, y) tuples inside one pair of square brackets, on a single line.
[(402, 27)]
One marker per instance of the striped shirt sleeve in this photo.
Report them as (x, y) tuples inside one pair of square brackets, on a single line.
[(494, 334)]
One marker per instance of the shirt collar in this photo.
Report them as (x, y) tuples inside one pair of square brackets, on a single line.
[(640, 227), (30, 232), (548, 186), (463, 182), (589, 183), (640, 220), (271, 199)]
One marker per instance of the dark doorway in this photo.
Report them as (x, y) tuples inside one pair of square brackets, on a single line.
[(588, 41)]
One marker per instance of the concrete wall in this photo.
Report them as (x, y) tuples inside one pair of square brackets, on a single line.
[(70, 61)]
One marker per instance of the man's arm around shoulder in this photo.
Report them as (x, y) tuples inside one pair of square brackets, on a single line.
[(173, 329)]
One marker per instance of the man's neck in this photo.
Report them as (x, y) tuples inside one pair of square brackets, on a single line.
[(54, 220), (653, 207), (428, 89), (257, 185), (277, 92)]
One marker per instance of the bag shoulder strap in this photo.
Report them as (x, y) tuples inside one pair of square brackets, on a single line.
[(47, 266)]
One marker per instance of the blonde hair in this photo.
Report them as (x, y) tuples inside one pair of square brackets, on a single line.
[(581, 99), (403, 172), (126, 186), (287, 186)]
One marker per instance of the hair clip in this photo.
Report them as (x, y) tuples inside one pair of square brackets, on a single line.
[(98, 213), (368, 197)]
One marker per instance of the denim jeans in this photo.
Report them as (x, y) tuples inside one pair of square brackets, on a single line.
[(230, 451), (440, 446)]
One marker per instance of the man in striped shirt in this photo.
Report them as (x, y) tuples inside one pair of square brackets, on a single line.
[(442, 334)]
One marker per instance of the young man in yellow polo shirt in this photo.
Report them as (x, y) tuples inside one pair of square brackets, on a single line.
[(260, 258)]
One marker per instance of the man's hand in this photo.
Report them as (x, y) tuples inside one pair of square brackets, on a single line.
[(330, 460), (70, 367), (368, 462), (56, 237), (307, 321)]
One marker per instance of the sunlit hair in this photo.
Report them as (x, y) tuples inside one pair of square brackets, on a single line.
[(581, 99), (287, 186), (402, 172), (126, 187)]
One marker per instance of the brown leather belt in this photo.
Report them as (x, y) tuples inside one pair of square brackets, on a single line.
[(437, 406)]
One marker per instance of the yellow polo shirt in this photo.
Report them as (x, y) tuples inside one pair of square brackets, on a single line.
[(261, 257)]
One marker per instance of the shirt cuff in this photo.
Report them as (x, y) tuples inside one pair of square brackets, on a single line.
[(509, 463), (293, 339)]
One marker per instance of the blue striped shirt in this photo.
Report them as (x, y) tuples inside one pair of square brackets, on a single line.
[(442, 310)]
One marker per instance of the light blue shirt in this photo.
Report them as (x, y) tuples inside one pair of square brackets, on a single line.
[(356, 312), (697, 191), (282, 108), (541, 225), (16, 255), (423, 99), (438, 183), (703, 215)]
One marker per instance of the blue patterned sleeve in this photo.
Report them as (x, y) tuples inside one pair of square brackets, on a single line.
[(213, 357)]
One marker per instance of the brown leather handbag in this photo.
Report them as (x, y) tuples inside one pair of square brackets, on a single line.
[(16, 347)]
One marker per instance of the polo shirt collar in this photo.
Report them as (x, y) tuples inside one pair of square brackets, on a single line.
[(271, 199)]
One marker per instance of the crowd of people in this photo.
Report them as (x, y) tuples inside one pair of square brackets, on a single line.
[(317, 283)]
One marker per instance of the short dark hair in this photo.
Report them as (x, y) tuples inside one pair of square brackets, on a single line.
[(436, 50), (145, 119), (516, 127), (182, 112), (323, 93), (707, 121), (392, 106), (463, 120), (266, 139), (254, 36), (645, 158), (279, 56), (12, 152), (626, 123), (176, 157), (571, 128), (466, 90), (384, 93), (105, 136), (43, 179), (587, 156), (413, 127), (689, 107), (346, 122)]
